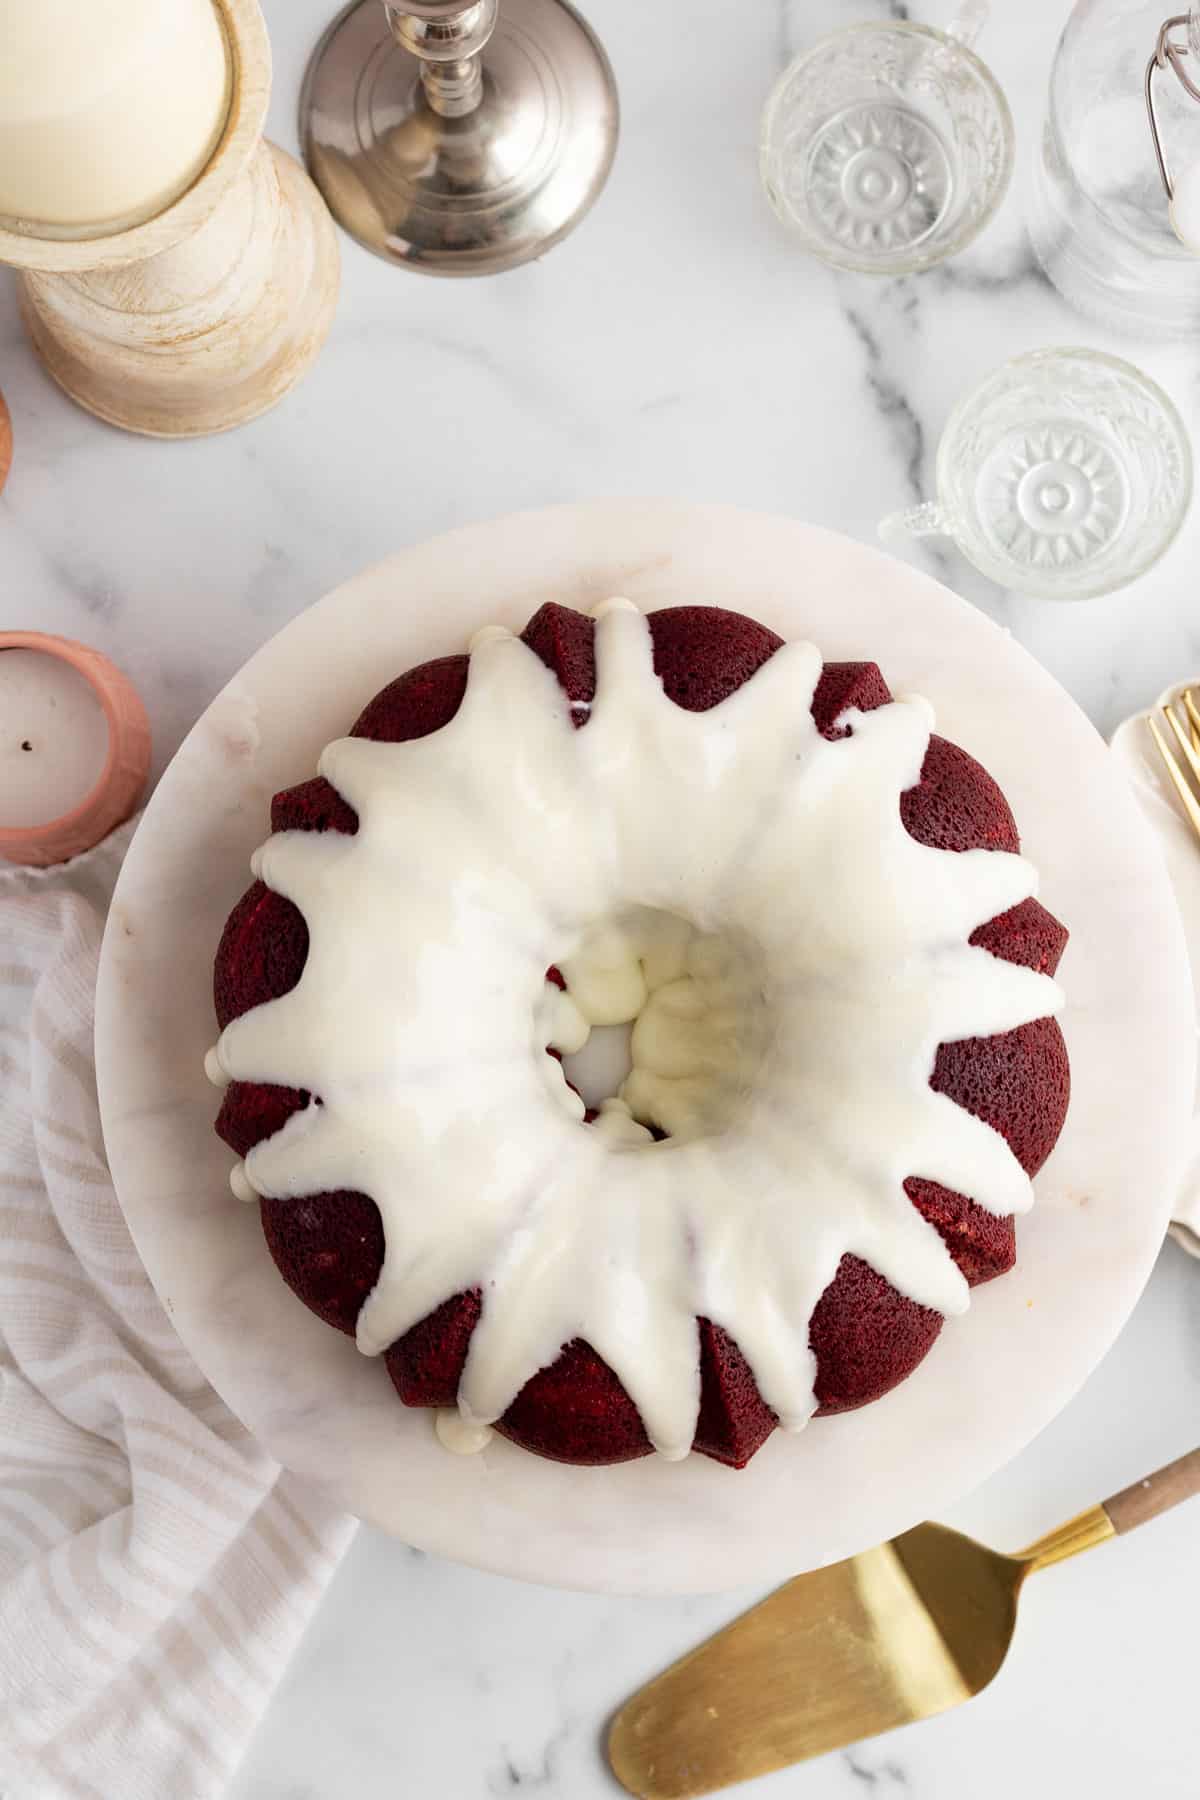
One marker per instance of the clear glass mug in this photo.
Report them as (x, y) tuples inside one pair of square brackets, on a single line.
[(887, 147), (1066, 474)]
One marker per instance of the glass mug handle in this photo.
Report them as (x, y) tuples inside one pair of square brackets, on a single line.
[(969, 21), (926, 520)]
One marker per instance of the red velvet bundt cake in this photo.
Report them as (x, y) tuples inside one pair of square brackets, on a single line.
[(844, 1064)]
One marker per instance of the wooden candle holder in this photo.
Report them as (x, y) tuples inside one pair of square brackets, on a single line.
[(205, 316)]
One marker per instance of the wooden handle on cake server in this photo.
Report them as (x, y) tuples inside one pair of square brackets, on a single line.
[(1155, 1494)]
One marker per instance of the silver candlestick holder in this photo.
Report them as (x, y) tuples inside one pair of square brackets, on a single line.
[(459, 139)]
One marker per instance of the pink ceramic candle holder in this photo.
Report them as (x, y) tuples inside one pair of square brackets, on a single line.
[(121, 780)]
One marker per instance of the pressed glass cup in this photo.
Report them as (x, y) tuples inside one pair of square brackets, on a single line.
[(887, 147), (1066, 474)]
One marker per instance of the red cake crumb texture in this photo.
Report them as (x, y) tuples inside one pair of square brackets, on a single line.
[(865, 1336)]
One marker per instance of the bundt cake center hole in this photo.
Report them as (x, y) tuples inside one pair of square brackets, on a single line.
[(604, 1064), (661, 1026)]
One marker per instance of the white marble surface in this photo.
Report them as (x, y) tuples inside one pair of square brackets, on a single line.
[(677, 345)]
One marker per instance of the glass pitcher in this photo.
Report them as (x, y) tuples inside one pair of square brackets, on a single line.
[(1100, 221)]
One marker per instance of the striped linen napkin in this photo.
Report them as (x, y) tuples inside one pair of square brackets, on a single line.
[(156, 1567)]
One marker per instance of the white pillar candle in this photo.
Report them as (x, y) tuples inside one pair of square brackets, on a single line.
[(54, 739), (109, 109)]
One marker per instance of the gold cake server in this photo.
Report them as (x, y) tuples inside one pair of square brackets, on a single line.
[(895, 1634)]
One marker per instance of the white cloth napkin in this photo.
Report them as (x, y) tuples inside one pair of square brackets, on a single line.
[(156, 1567), (1134, 750)]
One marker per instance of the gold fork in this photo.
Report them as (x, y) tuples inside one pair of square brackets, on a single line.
[(1187, 735)]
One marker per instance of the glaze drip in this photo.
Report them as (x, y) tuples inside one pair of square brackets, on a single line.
[(743, 888)]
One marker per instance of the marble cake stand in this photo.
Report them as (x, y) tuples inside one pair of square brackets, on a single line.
[(995, 1378)]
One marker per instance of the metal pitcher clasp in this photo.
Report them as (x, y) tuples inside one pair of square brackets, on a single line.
[(1169, 53)]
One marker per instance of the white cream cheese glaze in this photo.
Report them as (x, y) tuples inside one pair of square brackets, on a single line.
[(742, 886)]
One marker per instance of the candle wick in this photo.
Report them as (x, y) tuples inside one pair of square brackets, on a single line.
[(26, 745)]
